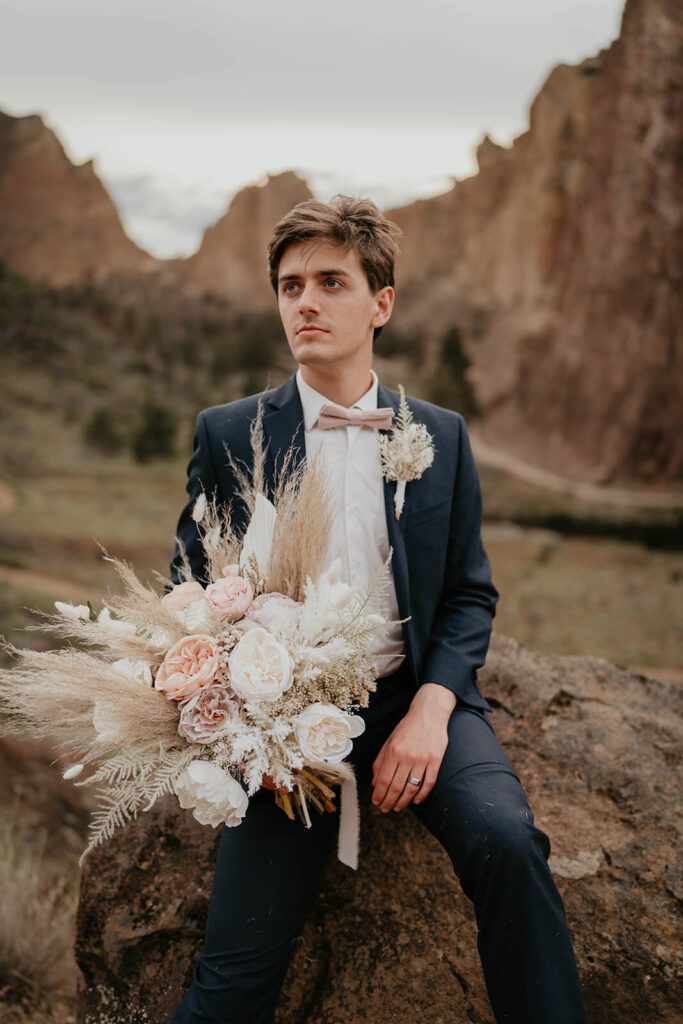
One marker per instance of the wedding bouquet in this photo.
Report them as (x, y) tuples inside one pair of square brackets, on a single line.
[(203, 690)]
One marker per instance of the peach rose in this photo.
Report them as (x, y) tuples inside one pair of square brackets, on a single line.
[(182, 594), (232, 596), (190, 665)]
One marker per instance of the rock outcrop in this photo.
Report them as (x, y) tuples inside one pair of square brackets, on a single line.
[(58, 223), (562, 262), (231, 261), (596, 748)]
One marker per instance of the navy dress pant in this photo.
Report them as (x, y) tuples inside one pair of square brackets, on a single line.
[(269, 867)]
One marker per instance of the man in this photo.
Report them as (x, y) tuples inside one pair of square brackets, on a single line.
[(428, 742)]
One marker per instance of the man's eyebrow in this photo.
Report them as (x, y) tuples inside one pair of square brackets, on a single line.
[(335, 272)]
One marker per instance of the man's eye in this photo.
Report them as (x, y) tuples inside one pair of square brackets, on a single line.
[(289, 286), (332, 281)]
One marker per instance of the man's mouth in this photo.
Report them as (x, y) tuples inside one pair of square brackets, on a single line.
[(311, 329)]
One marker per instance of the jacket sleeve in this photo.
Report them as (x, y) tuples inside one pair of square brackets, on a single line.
[(201, 476), (462, 626)]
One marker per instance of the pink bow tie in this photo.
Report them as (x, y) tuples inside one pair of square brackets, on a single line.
[(333, 415)]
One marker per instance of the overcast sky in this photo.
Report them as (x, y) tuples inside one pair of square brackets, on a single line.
[(182, 102)]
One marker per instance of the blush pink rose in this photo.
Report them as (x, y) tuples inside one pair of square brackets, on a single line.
[(206, 717), (231, 595), (190, 665), (182, 595)]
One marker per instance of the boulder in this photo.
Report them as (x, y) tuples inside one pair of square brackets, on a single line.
[(596, 747)]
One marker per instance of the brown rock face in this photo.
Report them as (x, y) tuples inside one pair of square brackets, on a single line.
[(596, 748), (562, 262), (57, 221), (231, 260)]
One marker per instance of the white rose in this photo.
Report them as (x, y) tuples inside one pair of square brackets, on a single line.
[(73, 611), (259, 667), (325, 732), (138, 671), (215, 796)]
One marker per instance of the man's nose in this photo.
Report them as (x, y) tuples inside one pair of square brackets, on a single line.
[(308, 300)]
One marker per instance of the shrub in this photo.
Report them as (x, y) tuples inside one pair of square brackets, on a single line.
[(154, 436)]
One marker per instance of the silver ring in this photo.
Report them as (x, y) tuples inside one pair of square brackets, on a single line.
[(415, 782)]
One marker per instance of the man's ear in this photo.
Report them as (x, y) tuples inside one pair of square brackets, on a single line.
[(384, 303)]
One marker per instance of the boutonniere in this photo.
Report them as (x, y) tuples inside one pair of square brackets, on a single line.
[(406, 452)]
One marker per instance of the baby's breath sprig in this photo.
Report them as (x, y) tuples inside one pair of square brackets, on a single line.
[(406, 453)]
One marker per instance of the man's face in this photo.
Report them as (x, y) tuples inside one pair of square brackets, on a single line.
[(328, 310)]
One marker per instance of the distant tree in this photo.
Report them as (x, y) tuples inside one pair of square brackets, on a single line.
[(258, 341), (154, 435), (449, 384), (255, 382), (452, 353), (101, 431), (394, 343)]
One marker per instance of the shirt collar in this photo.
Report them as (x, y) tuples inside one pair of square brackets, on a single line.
[(312, 401)]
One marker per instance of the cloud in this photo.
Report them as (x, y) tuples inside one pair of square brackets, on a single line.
[(167, 221)]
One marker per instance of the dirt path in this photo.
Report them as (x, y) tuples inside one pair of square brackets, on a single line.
[(486, 455)]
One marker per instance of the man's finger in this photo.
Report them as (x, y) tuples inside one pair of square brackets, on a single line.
[(410, 791), (395, 789), (383, 783), (428, 782)]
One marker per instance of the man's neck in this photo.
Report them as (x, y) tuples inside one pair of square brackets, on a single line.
[(344, 389)]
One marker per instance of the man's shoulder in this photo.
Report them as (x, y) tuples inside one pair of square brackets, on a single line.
[(229, 415), (435, 417)]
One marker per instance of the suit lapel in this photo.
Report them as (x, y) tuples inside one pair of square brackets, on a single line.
[(399, 558), (283, 426)]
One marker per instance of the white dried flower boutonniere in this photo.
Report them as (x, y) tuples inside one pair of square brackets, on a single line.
[(406, 452)]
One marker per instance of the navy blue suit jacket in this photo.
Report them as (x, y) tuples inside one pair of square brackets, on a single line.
[(441, 572)]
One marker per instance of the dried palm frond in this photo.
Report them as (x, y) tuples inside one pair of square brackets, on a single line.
[(302, 529), (57, 694)]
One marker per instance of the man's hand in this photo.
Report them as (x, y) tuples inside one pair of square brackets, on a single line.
[(414, 749)]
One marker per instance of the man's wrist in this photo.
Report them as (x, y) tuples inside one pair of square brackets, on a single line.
[(439, 699)]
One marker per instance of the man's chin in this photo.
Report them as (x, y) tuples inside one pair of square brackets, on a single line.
[(314, 355)]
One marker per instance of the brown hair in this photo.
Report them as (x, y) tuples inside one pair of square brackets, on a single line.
[(353, 224)]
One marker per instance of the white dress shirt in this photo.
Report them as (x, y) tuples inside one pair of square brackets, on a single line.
[(359, 536)]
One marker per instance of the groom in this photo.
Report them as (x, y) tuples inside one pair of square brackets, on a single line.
[(428, 743)]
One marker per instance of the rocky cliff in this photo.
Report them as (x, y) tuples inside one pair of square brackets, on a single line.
[(597, 749), (562, 262), (57, 221), (231, 261)]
